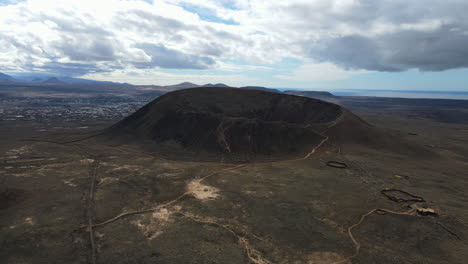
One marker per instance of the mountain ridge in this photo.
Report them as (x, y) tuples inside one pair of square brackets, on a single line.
[(6, 77)]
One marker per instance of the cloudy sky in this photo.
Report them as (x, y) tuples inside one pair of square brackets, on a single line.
[(316, 44)]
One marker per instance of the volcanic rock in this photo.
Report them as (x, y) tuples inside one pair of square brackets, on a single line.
[(239, 123)]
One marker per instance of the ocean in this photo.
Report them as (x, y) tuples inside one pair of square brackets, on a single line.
[(460, 95)]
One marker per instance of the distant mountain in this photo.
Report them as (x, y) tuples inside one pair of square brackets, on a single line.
[(28, 77), (45, 78), (6, 77), (260, 88), (215, 85), (71, 80), (53, 80), (47, 85), (312, 94), (180, 86)]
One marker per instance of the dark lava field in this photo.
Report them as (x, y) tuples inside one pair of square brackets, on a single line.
[(224, 175)]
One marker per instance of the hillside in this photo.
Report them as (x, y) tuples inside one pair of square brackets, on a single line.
[(242, 124)]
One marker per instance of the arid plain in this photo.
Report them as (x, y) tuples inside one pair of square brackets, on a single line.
[(67, 198)]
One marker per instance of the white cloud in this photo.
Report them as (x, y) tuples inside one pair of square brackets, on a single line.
[(117, 34), (233, 67), (75, 37), (319, 72)]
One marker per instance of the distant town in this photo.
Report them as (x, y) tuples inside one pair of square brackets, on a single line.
[(68, 109)]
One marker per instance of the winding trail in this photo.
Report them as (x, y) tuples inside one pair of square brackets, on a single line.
[(201, 179), (91, 208), (313, 150), (167, 203), (253, 255), (356, 243)]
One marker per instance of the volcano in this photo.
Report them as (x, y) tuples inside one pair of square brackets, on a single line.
[(240, 123)]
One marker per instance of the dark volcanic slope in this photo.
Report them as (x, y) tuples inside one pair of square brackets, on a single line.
[(239, 122)]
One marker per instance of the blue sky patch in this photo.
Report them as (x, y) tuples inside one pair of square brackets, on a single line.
[(207, 14)]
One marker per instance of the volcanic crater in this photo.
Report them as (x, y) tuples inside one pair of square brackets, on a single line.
[(239, 124)]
